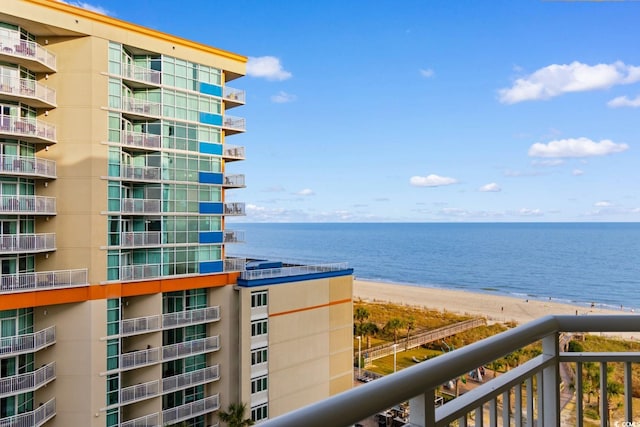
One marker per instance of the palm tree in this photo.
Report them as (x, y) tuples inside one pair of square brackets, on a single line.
[(369, 329), (410, 324), (360, 315), (234, 416), (393, 325)]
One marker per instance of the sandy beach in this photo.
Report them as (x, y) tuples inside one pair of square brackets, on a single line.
[(492, 307)]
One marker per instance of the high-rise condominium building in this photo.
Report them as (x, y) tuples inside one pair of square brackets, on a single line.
[(118, 305)]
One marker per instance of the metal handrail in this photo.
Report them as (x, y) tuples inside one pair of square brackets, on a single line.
[(31, 166), (299, 270), (41, 280), (27, 88)]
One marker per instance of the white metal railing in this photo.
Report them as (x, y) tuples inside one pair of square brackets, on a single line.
[(150, 356), (19, 165), (143, 173), (190, 379), (141, 140), (233, 236), (235, 264), (27, 127), (146, 324), (27, 382), (147, 75), (235, 208), (12, 44), (141, 205), (234, 123), (140, 238), (138, 358), (35, 205), (151, 420), (236, 96), (233, 152), (140, 271), (539, 405), (27, 88), (190, 410), (35, 418), (298, 270), (234, 181), (141, 107), (36, 242), (42, 280), (139, 392), (27, 343)]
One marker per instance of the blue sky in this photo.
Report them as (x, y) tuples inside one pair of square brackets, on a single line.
[(426, 110)]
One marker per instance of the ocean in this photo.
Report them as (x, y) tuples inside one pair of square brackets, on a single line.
[(577, 263)]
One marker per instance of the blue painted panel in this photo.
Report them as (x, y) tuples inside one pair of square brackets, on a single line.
[(211, 119), (210, 237), (211, 267), (210, 178), (210, 148), (210, 89), (213, 208)]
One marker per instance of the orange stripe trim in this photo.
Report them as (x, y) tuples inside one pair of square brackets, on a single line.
[(313, 307), (112, 290)]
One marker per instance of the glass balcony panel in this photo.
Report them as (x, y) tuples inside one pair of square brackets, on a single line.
[(141, 206), (27, 166), (141, 140), (234, 209), (30, 54), (32, 91), (141, 238), (140, 173), (233, 97), (233, 124), (29, 129), (14, 243), (31, 205), (233, 236), (234, 181), (234, 264), (141, 74), (232, 153), (141, 108)]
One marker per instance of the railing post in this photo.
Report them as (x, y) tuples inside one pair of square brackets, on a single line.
[(551, 382), (422, 410)]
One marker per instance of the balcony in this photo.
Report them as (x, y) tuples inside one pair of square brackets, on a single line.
[(139, 392), (232, 153), (233, 236), (491, 400), (234, 209), (151, 420), (140, 271), (43, 280), (27, 205), (27, 382), (27, 243), (35, 418), (234, 264), (140, 173), (233, 124), (140, 77), (27, 53), (27, 343), (141, 206), (142, 325), (139, 109), (141, 141), (234, 181), (137, 239), (190, 410), (28, 166), (190, 379), (28, 91), (27, 129), (151, 356), (233, 97)]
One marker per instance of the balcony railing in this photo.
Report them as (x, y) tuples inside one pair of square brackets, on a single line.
[(35, 418), (28, 166), (151, 356), (233, 152), (141, 271), (141, 238), (190, 410), (142, 108), (141, 206), (14, 243), (39, 58), (233, 96), (27, 343), (141, 325), (190, 379), (234, 124), (298, 270), (139, 392), (27, 382), (31, 89), (233, 236), (141, 140), (151, 420), (140, 173), (43, 280), (234, 264), (31, 205), (141, 74), (492, 400), (234, 181), (235, 208), (30, 129)]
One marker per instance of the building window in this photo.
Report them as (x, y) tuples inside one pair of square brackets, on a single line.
[(258, 384), (258, 299), (260, 412), (259, 356), (259, 327)]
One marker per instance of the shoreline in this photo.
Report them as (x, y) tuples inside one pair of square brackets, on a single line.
[(493, 307)]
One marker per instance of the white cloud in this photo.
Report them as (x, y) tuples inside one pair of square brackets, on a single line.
[(431, 181), (529, 212), (577, 172), (87, 6), (491, 187), (548, 162), (268, 67), (283, 97), (557, 79), (602, 204), (427, 73), (306, 192), (576, 147), (623, 101)]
